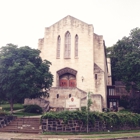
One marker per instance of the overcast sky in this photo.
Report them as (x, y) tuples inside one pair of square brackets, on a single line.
[(22, 22)]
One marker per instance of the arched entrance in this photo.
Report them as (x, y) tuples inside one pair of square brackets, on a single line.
[(67, 77)]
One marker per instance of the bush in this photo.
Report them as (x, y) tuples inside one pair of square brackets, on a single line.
[(106, 110), (134, 104), (2, 113), (114, 119), (33, 109), (124, 111), (83, 108), (131, 103), (124, 101), (24, 106)]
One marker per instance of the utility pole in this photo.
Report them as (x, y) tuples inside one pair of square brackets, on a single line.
[(87, 111)]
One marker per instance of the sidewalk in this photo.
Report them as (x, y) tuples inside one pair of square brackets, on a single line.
[(25, 136)]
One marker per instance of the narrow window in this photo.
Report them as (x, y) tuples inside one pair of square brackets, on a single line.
[(67, 45), (96, 76), (76, 46), (57, 95), (58, 47)]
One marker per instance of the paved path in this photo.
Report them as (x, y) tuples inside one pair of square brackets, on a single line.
[(25, 136)]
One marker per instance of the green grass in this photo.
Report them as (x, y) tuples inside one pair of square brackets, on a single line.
[(125, 111), (113, 135), (6, 107), (21, 114), (93, 133), (99, 135)]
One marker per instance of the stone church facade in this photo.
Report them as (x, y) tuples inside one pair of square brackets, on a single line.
[(79, 63)]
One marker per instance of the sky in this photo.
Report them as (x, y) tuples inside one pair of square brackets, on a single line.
[(22, 22)]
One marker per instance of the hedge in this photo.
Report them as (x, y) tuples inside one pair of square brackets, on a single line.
[(114, 119)]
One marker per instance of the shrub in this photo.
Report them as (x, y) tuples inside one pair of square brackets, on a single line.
[(111, 119), (124, 101), (83, 108), (2, 113), (24, 106), (134, 104), (33, 109), (131, 103), (106, 110)]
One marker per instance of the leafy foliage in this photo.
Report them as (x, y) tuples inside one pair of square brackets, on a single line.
[(131, 102), (23, 74), (125, 60), (67, 115), (89, 102), (134, 104), (83, 108), (124, 101), (111, 119), (33, 109), (2, 113)]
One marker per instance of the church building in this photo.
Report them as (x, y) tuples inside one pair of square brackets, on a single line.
[(79, 64)]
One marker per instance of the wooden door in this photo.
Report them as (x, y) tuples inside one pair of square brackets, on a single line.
[(72, 83), (63, 83)]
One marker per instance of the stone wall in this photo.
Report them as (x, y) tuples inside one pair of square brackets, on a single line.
[(100, 68), (97, 101), (49, 125), (44, 104), (109, 72), (71, 126), (58, 96)]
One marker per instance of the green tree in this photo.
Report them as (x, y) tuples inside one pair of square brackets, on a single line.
[(23, 74), (89, 102), (125, 60)]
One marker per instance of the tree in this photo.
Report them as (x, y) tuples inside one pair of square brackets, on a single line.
[(125, 60), (23, 74)]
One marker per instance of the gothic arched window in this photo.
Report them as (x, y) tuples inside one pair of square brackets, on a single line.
[(67, 45), (58, 47), (76, 46)]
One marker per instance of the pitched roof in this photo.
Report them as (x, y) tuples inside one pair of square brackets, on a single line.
[(71, 18)]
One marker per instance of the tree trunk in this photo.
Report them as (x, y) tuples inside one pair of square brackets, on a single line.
[(11, 106)]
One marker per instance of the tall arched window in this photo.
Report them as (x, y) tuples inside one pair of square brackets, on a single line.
[(76, 46), (67, 45), (58, 47)]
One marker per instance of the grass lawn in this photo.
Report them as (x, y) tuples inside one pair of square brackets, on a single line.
[(99, 135), (124, 135), (123, 132), (6, 107), (21, 114)]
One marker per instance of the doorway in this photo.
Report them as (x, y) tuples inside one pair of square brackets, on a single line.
[(67, 80)]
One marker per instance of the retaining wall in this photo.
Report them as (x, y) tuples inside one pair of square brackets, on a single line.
[(49, 125)]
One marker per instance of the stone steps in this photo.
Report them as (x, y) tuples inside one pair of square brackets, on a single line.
[(23, 125)]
